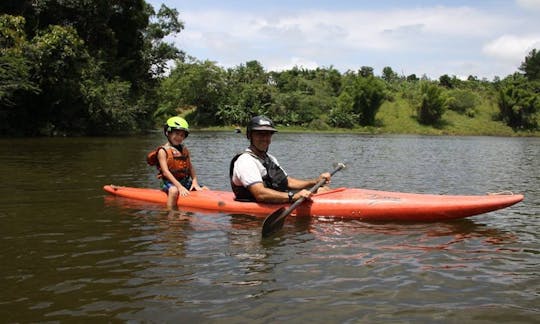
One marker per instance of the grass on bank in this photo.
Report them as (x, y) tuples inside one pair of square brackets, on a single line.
[(398, 117)]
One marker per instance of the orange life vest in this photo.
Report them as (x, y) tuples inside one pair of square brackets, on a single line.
[(178, 161)]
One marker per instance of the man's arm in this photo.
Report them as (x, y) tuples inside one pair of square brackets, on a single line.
[(306, 184), (263, 194)]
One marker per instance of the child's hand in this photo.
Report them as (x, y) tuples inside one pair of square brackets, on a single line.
[(183, 191), (195, 186)]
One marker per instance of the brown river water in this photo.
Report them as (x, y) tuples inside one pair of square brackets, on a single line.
[(71, 253)]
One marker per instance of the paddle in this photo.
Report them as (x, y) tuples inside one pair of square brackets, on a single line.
[(275, 221)]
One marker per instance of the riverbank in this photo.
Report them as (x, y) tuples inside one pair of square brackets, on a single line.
[(398, 118)]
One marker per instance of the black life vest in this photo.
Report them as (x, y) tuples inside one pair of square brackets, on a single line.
[(275, 178)]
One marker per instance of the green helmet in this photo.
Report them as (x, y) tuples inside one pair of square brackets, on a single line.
[(176, 123)]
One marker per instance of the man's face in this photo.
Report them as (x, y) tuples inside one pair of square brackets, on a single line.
[(261, 140)]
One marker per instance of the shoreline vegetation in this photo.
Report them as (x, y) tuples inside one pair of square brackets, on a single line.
[(397, 118), (65, 71)]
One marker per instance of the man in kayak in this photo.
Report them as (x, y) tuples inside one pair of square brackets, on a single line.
[(257, 176), (173, 162)]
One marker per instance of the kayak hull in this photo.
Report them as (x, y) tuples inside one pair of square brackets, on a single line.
[(346, 203)]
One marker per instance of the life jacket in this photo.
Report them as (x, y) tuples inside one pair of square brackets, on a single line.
[(178, 161), (275, 178)]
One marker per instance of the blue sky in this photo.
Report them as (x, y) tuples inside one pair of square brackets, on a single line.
[(481, 38)]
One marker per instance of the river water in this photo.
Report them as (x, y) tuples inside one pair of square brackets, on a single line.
[(72, 253)]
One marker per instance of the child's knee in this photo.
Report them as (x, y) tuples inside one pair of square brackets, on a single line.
[(173, 191)]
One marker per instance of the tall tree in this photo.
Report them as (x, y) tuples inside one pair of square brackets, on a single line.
[(92, 61), (432, 104), (446, 81), (156, 51), (368, 95), (15, 81), (193, 85), (366, 71), (342, 114), (531, 66), (389, 75), (62, 59), (519, 102)]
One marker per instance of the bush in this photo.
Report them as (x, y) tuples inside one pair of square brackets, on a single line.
[(318, 124), (369, 94), (462, 100), (342, 115), (432, 105), (519, 102)]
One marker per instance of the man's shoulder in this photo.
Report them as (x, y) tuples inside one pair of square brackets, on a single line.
[(246, 157), (247, 153)]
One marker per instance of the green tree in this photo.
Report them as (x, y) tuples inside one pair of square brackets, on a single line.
[(331, 80), (246, 100), (463, 101), (412, 77), (366, 71), (287, 81), (110, 109), (519, 102), (446, 81), (303, 96), (368, 94), (248, 93), (193, 85), (342, 115), (531, 66), (432, 104), (156, 51), (389, 75), (286, 107), (15, 67), (62, 59), (76, 50)]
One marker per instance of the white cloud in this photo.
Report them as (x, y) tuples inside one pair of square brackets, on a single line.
[(378, 30), (529, 4), (432, 40), (512, 48), (291, 63)]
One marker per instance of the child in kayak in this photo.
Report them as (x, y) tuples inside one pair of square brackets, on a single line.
[(174, 163)]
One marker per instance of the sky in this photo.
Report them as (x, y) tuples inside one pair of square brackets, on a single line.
[(459, 38)]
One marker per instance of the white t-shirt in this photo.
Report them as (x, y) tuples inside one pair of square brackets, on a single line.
[(249, 170)]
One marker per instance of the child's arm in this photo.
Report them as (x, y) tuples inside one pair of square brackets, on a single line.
[(194, 182)]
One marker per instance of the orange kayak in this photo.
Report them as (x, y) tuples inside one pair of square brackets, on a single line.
[(347, 203)]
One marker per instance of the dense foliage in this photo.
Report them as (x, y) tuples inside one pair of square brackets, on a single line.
[(81, 67), (323, 98), (98, 67), (519, 102), (432, 104)]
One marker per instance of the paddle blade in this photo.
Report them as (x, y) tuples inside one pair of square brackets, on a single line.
[(339, 166), (273, 223)]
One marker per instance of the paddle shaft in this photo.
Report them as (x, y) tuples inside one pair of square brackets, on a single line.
[(312, 190), (269, 225)]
